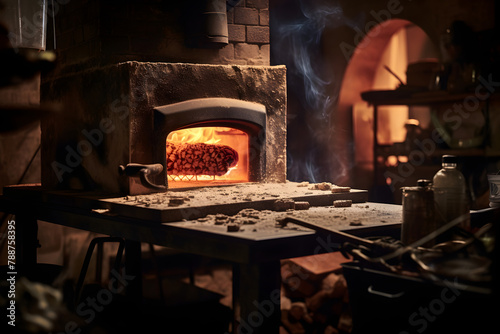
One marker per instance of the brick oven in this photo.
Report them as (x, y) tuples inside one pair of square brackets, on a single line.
[(136, 72), (123, 117), (155, 94)]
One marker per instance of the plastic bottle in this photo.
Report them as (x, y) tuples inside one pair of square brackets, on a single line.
[(450, 195)]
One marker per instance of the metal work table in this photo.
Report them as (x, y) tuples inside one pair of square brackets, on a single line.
[(255, 253)]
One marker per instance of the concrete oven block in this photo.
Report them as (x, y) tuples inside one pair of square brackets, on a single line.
[(107, 117)]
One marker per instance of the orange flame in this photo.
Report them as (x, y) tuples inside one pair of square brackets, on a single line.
[(205, 135)]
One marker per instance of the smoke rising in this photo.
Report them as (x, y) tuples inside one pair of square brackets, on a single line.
[(299, 48), (297, 44)]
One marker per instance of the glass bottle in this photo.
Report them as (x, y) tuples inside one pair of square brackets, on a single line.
[(450, 196)]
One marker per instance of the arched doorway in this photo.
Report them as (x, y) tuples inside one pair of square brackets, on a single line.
[(391, 45)]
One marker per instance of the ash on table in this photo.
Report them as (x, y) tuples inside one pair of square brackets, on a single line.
[(235, 223), (341, 218)]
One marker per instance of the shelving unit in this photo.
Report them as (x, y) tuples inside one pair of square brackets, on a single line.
[(407, 97)]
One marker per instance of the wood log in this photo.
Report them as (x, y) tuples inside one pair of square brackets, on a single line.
[(200, 159)]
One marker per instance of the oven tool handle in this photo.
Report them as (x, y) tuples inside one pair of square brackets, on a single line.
[(378, 248), (143, 171), (318, 228), (388, 295)]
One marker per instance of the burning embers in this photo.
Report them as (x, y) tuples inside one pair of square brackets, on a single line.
[(207, 154)]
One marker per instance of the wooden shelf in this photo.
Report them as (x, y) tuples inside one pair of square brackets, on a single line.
[(409, 98), (385, 151), (414, 96)]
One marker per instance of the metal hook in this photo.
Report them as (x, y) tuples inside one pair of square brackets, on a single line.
[(143, 171)]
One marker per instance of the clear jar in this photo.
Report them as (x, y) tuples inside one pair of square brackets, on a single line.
[(27, 23)]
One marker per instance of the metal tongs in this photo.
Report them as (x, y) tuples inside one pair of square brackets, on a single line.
[(348, 243)]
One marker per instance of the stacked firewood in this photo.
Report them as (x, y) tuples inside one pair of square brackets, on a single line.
[(200, 159), (316, 304)]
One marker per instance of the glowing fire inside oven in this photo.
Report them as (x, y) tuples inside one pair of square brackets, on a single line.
[(207, 154)]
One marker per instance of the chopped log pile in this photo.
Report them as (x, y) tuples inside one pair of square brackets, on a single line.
[(314, 303), (200, 159)]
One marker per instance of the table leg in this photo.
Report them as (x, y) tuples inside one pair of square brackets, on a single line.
[(26, 242), (258, 295), (133, 271)]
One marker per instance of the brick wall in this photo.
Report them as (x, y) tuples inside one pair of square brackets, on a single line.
[(97, 32), (20, 146), (248, 30), (76, 30)]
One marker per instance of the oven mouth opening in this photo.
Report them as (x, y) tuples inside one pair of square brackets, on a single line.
[(236, 129), (207, 155)]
